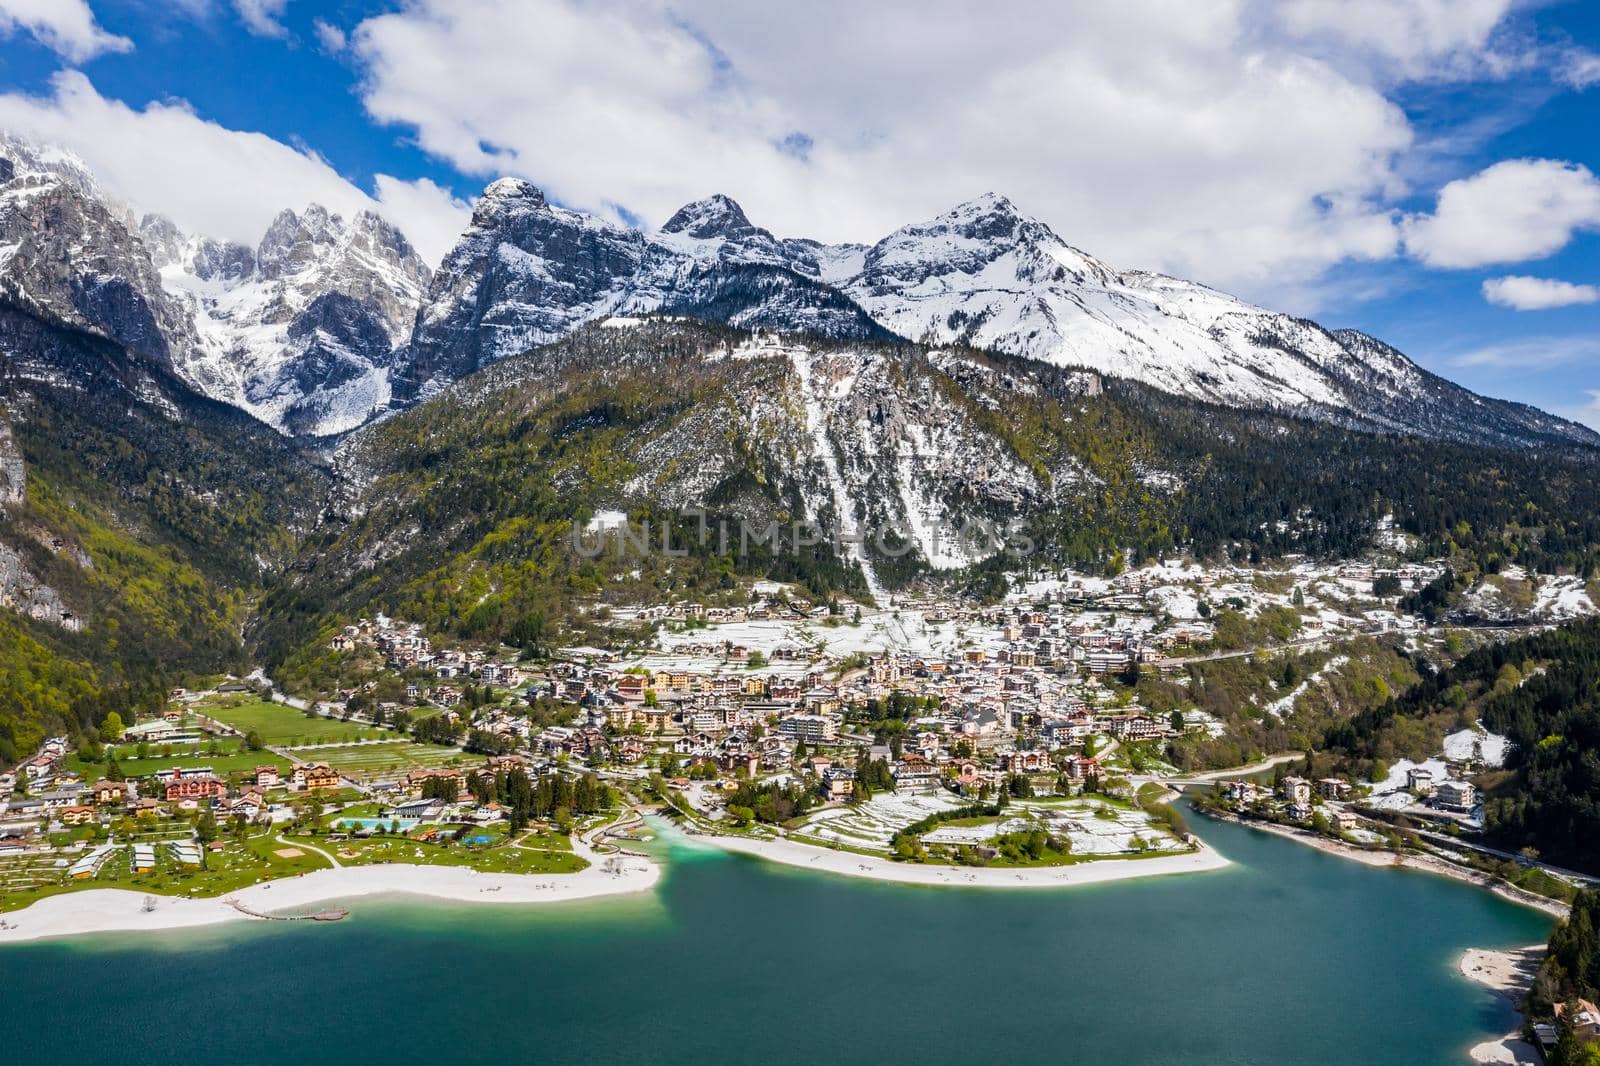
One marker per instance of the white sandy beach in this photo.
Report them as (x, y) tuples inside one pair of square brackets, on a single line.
[(850, 864), (120, 910), (1510, 973)]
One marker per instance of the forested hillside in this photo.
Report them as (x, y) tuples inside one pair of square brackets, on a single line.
[(462, 510), (168, 525), (143, 521), (1543, 693)]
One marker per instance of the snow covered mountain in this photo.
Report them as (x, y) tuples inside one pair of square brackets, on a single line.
[(985, 275), (527, 272), (328, 323), (982, 275), (301, 330)]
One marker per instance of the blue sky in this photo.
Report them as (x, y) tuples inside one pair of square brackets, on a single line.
[(1388, 165)]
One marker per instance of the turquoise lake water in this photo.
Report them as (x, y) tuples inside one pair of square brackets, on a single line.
[(1289, 956)]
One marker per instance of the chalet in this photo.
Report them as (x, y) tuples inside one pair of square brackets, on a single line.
[(195, 788), (1297, 790), (1024, 762), (732, 762), (78, 815), (1333, 788), (109, 793), (1083, 767), (694, 744), (915, 774), (1242, 793), (838, 782), (249, 805), (313, 777), (266, 777), (1137, 727), (1455, 795), (416, 778), (1419, 780)]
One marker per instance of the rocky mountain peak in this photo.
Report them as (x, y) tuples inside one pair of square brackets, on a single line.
[(295, 241), (507, 194), (162, 239), (715, 216)]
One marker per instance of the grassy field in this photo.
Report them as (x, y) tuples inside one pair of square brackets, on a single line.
[(379, 760), (237, 760), (283, 726), (502, 858), (239, 865)]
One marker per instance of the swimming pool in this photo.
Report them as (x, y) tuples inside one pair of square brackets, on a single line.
[(404, 824)]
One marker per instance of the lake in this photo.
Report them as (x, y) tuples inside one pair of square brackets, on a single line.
[(1289, 956)]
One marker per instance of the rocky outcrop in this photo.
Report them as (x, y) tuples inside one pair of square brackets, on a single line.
[(13, 473), (524, 273), (70, 257), (23, 593)]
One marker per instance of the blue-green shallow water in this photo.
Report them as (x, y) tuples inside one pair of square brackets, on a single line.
[(1290, 956)]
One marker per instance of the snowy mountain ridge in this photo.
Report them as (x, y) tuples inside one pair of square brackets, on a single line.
[(328, 323)]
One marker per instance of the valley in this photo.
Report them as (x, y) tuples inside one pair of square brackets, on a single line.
[(961, 559)]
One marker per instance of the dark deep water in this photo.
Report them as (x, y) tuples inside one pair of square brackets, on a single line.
[(1290, 956)]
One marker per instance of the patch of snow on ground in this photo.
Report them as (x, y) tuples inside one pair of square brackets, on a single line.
[(606, 520), (1562, 598), (1390, 794), (1467, 744)]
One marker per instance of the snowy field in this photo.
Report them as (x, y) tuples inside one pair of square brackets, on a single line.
[(1095, 828), (908, 631), (872, 824), (1476, 743), (1390, 794)]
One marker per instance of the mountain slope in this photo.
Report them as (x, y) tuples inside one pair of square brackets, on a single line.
[(137, 520), (881, 464), (987, 276), (302, 330), (327, 323)]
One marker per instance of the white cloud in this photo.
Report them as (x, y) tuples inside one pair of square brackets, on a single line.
[(1516, 210), (1533, 353), (1158, 134), (213, 180), (66, 27), (1523, 293), (1413, 34), (331, 37), (261, 17), (431, 217), (1587, 410), (1579, 68)]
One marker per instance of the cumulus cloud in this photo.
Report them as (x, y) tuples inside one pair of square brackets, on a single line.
[(210, 179), (1524, 293), (1411, 33), (1156, 133), (66, 27), (1516, 210), (261, 17)]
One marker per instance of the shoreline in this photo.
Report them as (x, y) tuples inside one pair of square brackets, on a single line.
[(1425, 863), (117, 910), (1509, 974), (851, 864)]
